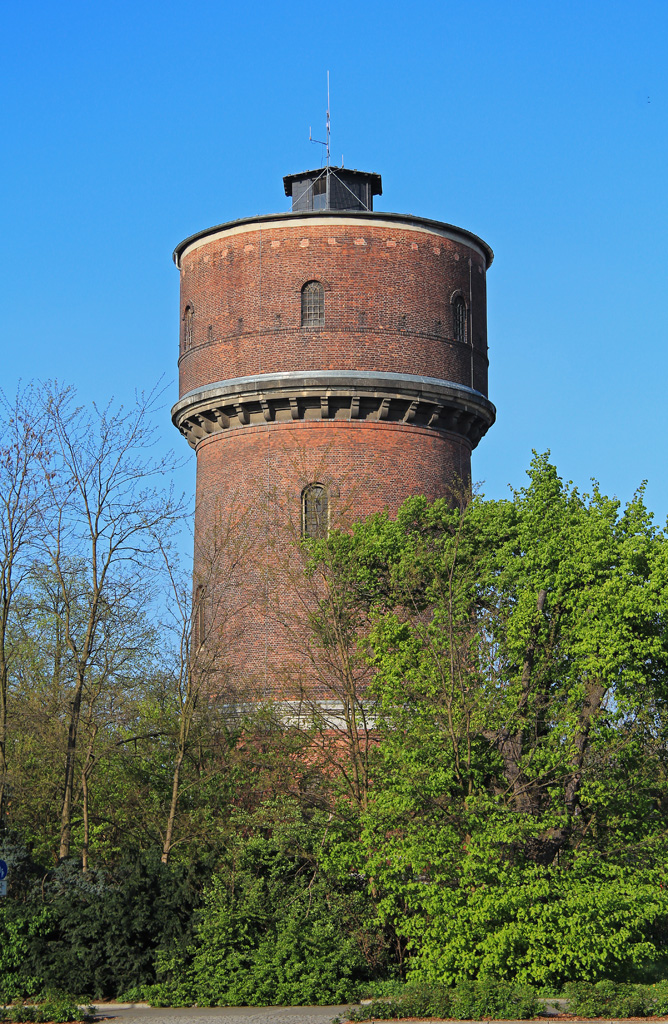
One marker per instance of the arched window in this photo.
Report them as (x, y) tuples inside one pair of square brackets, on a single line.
[(188, 328), (459, 319), (315, 511), (313, 304)]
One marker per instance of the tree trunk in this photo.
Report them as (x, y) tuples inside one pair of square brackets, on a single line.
[(86, 835), (167, 845), (87, 769), (66, 813), (184, 732), (511, 743), (3, 739), (592, 704)]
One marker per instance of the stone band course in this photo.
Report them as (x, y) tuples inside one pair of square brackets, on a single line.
[(334, 395)]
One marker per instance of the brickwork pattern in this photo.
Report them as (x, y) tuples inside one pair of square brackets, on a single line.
[(366, 467), (388, 303), (389, 292)]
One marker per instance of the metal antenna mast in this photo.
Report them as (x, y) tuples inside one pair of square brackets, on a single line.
[(328, 121), (327, 129)]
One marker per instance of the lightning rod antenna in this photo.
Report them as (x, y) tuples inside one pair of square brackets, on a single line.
[(319, 142), (328, 121)]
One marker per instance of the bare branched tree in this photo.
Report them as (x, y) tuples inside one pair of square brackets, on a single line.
[(321, 683), (23, 451), (203, 622), (110, 515)]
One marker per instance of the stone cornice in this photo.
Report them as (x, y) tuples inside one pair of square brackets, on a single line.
[(336, 396), (331, 217)]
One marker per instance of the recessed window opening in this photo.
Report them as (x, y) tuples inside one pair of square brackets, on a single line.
[(459, 319), (188, 328), (313, 304), (319, 191), (315, 511), (200, 616)]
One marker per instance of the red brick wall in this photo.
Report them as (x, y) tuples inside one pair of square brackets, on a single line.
[(388, 292), (256, 475), (387, 302)]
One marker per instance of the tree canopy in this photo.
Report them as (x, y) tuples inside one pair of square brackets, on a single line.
[(489, 802)]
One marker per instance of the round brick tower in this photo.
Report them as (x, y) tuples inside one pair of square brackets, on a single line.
[(333, 357)]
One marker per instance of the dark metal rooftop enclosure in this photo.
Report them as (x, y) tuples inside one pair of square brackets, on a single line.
[(332, 188)]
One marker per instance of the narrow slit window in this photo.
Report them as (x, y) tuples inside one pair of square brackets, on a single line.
[(459, 319), (315, 511), (200, 617), (313, 304), (188, 328)]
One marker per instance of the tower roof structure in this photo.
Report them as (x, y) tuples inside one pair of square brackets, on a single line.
[(332, 188)]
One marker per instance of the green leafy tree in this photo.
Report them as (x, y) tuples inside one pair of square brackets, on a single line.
[(520, 652)]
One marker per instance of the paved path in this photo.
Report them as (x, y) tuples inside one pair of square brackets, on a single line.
[(137, 1014), (124, 1014)]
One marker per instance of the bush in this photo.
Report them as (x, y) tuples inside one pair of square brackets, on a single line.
[(60, 1009), (491, 998), (304, 957), (23, 923), (276, 929), (20, 976), (379, 1009), (469, 1000), (534, 924), (658, 994), (610, 999), (168, 993), (96, 933), (272, 927), (386, 987), (269, 944)]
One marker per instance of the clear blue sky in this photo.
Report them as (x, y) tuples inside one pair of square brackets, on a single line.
[(541, 126)]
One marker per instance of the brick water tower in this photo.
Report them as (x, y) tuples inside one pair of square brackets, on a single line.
[(332, 357)]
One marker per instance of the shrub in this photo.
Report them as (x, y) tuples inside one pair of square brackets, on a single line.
[(490, 998), (23, 923), (658, 996), (61, 1009), (426, 1001), (608, 999), (385, 988), (390, 1009), (541, 925), (469, 1000), (273, 944), (275, 929), (96, 932), (20, 976)]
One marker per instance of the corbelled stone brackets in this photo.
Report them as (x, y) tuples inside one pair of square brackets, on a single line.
[(334, 395)]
